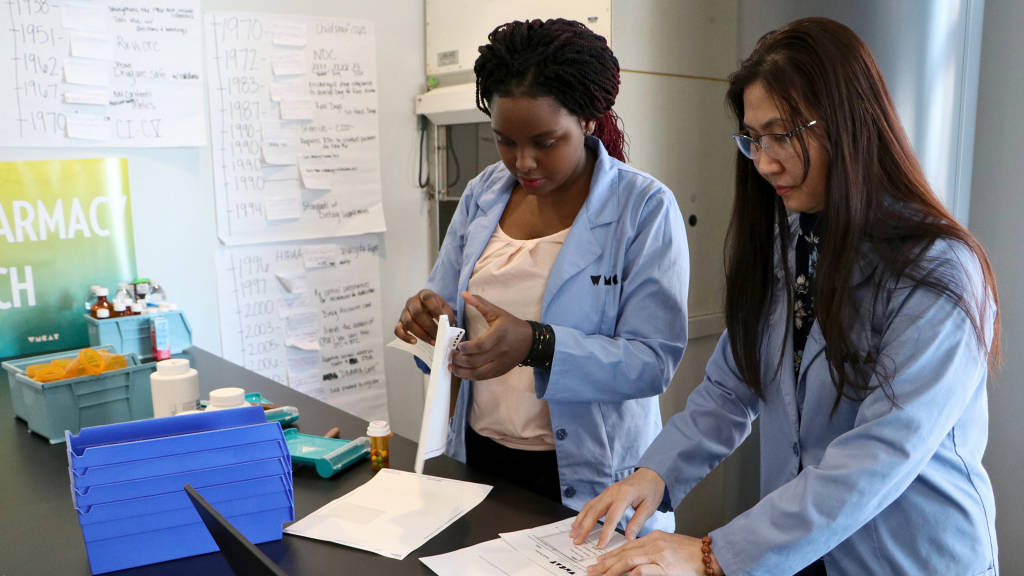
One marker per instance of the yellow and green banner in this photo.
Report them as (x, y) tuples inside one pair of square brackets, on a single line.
[(64, 225)]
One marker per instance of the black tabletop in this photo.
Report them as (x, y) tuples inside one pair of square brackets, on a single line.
[(41, 534)]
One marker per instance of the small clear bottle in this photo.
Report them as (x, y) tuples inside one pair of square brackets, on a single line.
[(380, 455), (123, 295), (157, 296), (138, 308), (102, 309)]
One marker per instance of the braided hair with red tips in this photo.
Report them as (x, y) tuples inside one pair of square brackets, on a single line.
[(559, 58)]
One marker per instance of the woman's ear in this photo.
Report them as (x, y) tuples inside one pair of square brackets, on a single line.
[(588, 127)]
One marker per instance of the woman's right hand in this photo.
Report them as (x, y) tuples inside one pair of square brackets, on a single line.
[(642, 490), (418, 319)]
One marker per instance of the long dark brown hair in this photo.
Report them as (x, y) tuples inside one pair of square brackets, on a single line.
[(559, 58), (876, 198)]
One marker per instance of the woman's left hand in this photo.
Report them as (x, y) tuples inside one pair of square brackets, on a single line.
[(657, 553), (500, 349)]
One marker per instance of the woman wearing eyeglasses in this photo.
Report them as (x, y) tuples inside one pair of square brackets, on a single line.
[(861, 323)]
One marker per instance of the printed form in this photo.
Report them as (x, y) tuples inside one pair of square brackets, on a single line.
[(541, 551), (550, 547)]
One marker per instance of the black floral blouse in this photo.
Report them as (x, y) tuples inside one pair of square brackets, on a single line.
[(808, 238)]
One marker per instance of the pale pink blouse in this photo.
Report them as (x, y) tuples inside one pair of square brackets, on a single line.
[(512, 274)]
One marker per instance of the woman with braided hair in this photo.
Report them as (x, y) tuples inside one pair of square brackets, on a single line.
[(569, 270)]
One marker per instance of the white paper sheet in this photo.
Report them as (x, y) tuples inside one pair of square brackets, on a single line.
[(434, 425), (319, 121), (494, 557), (147, 54), (550, 547), (393, 514), (271, 290)]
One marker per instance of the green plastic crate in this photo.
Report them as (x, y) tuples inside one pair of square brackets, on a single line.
[(50, 408)]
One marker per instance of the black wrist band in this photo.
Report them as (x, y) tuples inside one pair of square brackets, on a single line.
[(542, 349)]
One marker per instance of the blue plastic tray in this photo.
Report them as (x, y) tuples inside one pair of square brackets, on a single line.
[(97, 438), (158, 437), (127, 479), (328, 455), (173, 483), (178, 463), (181, 541), (170, 510), (160, 503)]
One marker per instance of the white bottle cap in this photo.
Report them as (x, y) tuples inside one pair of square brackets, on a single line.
[(102, 291), (173, 366), (230, 397), (138, 307), (118, 306), (378, 428)]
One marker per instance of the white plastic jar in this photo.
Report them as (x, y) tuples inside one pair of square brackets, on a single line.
[(174, 387), (227, 398)]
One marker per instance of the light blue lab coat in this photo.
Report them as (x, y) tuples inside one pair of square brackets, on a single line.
[(616, 298), (884, 489)]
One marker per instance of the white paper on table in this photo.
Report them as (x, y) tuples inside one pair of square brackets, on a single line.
[(484, 559), (393, 514), (434, 426), (550, 547)]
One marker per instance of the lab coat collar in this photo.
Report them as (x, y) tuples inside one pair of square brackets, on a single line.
[(862, 269)]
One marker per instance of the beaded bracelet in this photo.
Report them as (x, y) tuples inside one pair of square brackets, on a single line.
[(542, 349), (705, 550)]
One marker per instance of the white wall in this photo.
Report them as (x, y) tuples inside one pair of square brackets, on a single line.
[(675, 56), (172, 192), (996, 215)]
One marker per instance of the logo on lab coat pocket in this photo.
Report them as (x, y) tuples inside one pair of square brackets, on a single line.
[(608, 280)]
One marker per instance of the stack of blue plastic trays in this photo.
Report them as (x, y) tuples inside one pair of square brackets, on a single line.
[(127, 484)]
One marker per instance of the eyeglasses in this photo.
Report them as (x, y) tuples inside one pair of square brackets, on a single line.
[(778, 146)]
